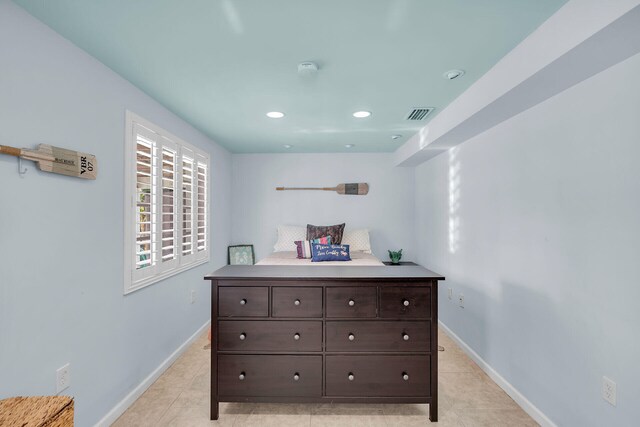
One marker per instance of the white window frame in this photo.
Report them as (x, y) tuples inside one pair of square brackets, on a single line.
[(135, 279)]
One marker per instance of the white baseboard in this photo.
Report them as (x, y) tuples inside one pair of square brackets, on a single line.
[(122, 406), (518, 397)]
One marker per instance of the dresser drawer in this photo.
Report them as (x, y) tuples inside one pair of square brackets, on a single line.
[(293, 301), (374, 335), (378, 376), (269, 335), (405, 301), (351, 301), (240, 375), (243, 301)]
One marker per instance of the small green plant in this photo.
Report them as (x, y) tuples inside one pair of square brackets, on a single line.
[(395, 256)]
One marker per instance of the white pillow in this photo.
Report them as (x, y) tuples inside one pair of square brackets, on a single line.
[(287, 234), (358, 240)]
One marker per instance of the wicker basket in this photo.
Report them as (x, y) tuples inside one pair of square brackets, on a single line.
[(37, 411)]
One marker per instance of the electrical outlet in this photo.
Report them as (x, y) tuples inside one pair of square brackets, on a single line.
[(450, 293), (193, 297), (63, 378), (461, 300), (609, 390)]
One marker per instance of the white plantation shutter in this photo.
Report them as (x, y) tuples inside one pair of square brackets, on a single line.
[(201, 206), (168, 204), (187, 222), (145, 203), (166, 209)]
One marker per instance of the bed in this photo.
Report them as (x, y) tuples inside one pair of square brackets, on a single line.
[(289, 330), (358, 258)]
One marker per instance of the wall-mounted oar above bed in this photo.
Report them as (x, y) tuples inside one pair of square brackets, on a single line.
[(57, 160), (355, 189)]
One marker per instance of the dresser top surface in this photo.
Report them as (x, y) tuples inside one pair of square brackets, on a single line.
[(320, 272)]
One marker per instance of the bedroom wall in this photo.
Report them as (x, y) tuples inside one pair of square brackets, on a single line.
[(61, 239), (258, 208), (536, 222)]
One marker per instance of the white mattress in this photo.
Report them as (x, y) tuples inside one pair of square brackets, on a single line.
[(291, 258)]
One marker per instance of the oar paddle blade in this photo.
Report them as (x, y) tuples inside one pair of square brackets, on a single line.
[(357, 189), (66, 162)]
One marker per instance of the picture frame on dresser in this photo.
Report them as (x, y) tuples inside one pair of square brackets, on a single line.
[(310, 335), (241, 255)]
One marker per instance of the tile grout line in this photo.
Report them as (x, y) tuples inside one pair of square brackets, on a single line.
[(170, 404), (182, 389)]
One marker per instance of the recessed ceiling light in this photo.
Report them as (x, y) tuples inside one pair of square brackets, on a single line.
[(275, 114), (361, 114), (287, 146), (453, 74), (394, 137), (349, 145)]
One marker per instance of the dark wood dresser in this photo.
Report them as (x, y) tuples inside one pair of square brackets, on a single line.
[(324, 334)]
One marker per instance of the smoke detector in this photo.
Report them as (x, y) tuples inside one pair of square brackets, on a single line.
[(453, 74), (307, 68)]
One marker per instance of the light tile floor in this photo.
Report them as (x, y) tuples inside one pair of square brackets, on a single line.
[(468, 398)]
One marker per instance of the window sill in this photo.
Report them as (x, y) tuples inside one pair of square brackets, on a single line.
[(135, 286)]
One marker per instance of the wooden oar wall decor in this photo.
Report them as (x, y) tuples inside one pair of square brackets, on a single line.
[(57, 160), (355, 189)]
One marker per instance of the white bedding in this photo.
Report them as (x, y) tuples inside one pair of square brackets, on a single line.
[(291, 258)]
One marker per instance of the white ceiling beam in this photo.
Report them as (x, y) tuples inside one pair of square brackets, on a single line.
[(582, 39)]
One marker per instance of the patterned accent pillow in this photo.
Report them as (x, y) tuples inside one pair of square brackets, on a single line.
[(287, 234), (335, 231), (304, 246), (324, 240), (358, 240), (330, 253)]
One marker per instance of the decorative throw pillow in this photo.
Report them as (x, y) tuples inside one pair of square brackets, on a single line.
[(325, 240), (358, 240), (304, 246), (335, 231), (330, 252), (287, 234)]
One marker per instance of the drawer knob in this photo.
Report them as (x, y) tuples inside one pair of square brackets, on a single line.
[(351, 303), (352, 337), (243, 301), (241, 376), (296, 336), (296, 376), (405, 337), (405, 302), (405, 376), (296, 302), (351, 376), (243, 336)]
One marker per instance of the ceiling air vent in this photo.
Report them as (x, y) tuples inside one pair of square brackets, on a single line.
[(419, 113)]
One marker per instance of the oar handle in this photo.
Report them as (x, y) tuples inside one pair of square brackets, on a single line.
[(12, 151), (306, 188)]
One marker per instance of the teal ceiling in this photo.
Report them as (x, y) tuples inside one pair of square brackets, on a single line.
[(222, 64)]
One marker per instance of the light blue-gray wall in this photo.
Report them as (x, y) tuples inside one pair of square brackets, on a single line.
[(387, 211), (537, 223), (61, 239)]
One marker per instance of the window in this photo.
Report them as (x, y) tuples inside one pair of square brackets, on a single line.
[(166, 204)]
